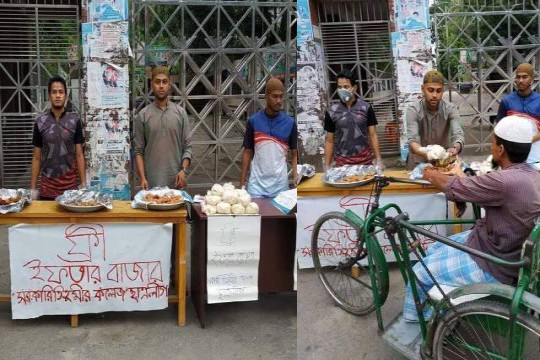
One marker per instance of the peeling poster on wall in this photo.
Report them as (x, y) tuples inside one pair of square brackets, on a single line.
[(108, 85)]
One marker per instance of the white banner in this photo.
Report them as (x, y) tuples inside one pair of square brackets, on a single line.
[(233, 258), (88, 268), (418, 206)]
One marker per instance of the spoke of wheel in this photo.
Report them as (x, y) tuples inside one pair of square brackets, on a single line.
[(462, 340), (481, 343), (455, 353), (345, 286), (352, 278)]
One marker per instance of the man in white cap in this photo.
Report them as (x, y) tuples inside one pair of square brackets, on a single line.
[(511, 200)]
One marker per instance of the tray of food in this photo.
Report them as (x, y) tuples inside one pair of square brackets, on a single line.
[(83, 201), (350, 175), (13, 200), (160, 199)]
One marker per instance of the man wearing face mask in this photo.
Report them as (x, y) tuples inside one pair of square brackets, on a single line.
[(432, 121), (526, 103), (350, 127)]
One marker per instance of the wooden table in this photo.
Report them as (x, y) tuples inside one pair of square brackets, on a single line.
[(276, 261), (315, 186), (48, 212)]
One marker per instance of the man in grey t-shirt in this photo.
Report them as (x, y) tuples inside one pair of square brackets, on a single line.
[(431, 121), (162, 141)]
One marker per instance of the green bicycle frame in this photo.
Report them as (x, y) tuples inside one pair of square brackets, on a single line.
[(515, 334), (376, 219)]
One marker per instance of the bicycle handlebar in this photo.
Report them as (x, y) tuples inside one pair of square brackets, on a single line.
[(400, 180), (455, 244)]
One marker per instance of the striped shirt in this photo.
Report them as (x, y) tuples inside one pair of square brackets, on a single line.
[(511, 199)]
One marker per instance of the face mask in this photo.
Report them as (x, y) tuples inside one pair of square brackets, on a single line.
[(344, 95)]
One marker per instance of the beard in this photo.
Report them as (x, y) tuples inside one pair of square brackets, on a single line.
[(160, 97), (60, 107)]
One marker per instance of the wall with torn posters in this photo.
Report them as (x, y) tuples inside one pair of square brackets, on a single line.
[(106, 53), (310, 90), (412, 53)]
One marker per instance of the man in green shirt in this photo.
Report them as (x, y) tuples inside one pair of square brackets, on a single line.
[(162, 141)]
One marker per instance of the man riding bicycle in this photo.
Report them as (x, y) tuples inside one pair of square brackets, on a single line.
[(511, 199)]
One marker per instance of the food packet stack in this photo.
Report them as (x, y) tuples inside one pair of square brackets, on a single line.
[(226, 199)]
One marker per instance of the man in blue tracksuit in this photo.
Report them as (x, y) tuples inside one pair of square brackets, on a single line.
[(526, 103)]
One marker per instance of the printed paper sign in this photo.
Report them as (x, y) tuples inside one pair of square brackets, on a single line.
[(88, 268), (411, 14), (105, 40), (108, 85), (108, 155), (107, 10), (233, 258), (411, 75)]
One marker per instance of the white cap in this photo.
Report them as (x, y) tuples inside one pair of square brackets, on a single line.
[(515, 128)]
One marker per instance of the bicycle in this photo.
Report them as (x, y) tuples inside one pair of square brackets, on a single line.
[(498, 322)]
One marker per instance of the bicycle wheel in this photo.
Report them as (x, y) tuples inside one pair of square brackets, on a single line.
[(337, 249), (480, 330)]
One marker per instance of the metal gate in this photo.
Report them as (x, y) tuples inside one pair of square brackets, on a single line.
[(220, 54), (38, 39), (356, 35), (479, 44)]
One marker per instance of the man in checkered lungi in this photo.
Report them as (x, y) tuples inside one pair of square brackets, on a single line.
[(511, 200)]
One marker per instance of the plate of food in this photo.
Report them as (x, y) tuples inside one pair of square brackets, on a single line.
[(83, 201), (12, 200), (160, 199), (350, 175), (439, 158), (445, 164)]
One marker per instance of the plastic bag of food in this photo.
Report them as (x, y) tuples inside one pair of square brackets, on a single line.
[(12, 200)]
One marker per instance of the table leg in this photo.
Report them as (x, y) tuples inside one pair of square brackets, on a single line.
[(74, 321), (180, 277)]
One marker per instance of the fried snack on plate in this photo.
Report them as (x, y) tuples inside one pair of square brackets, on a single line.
[(153, 198), (445, 164), (355, 178), (10, 200)]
